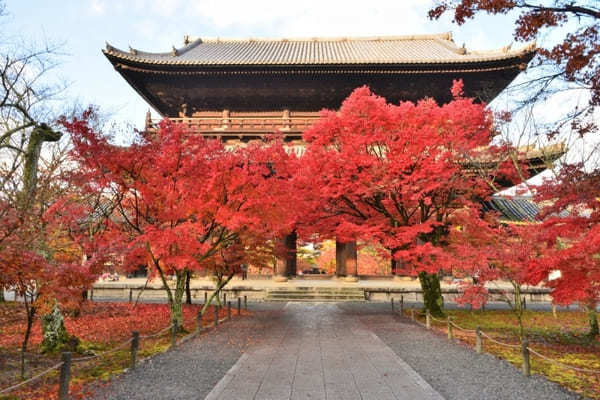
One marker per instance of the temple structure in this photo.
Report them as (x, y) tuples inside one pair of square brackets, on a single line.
[(241, 90)]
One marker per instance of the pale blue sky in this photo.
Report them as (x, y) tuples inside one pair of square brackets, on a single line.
[(154, 25)]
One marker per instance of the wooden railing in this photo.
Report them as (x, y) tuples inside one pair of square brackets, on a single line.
[(234, 126)]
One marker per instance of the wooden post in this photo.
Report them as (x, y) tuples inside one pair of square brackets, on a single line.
[(401, 304), (427, 319), (245, 302), (412, 314), (130, 295), (228, 310), (239, 305), (92, 293), (478, 341), (450, 332), (65, 376), (392, 304), (205, 297), (216, 315), (526, 362), (174, 335), (224, 297), (554, 311), (524, 303), (135, 344)]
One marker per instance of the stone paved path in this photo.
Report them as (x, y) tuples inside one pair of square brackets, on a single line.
[(326, 351), (316, 351)]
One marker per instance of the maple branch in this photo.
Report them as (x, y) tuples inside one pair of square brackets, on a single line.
[(567, 8)]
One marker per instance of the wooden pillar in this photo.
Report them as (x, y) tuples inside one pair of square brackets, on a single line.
[(291, 253), (286, 265), (351, 262), (346, 260), (225, 120), (279, 272)]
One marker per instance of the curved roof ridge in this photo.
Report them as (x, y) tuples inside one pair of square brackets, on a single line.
[(441, 36), (141, 53)]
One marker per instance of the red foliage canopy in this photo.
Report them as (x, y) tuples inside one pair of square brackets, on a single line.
[(391, 173), (173, 200)]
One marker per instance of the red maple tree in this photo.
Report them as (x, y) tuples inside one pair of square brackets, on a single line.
[(571, 212), (174, 201), (491, 250), (392, 174)]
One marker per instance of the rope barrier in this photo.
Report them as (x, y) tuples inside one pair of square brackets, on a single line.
[(168, 328), (87, 358), (491, 339), (589, 371), (462, 329), (516, 346), (10, 388), (113, 350)]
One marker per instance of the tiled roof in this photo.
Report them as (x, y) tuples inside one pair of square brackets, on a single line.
[(418, 49), (513, 209)]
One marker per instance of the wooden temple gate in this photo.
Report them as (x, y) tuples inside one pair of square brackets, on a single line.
[(242, 90)]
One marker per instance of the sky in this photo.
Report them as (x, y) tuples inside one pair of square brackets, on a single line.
[(82, 27)]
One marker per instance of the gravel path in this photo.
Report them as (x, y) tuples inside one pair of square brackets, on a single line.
[(455, 371), (193, 369)]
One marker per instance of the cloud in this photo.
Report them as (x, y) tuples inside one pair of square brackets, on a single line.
[(97, 7)]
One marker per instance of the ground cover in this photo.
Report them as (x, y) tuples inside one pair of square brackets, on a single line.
[(100, 327), (562, 338)]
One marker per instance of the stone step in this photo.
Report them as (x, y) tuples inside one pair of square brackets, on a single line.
[(287, 292), (314, 300), (315, 294), (312, 290), (359, 295)]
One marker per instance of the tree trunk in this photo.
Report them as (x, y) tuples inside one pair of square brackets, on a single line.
[(432, 293), (215, 295), (30, 312), (593, 319), (176, 304), (518, 309), (188, 291)]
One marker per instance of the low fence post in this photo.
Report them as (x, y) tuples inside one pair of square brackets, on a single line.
[(239, 305), (412, 314), (174, 335), (401, 304), (205, 297), (427, 319), (478, 341), (92, 293), (216, 315), (245, 302), (65, 376), (392, 301), (526, 361), (224, 297), (135, 344), (450, 333), (130, 295), (228, 310)]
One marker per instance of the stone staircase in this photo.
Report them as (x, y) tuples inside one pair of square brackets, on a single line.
[(315, 294)]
